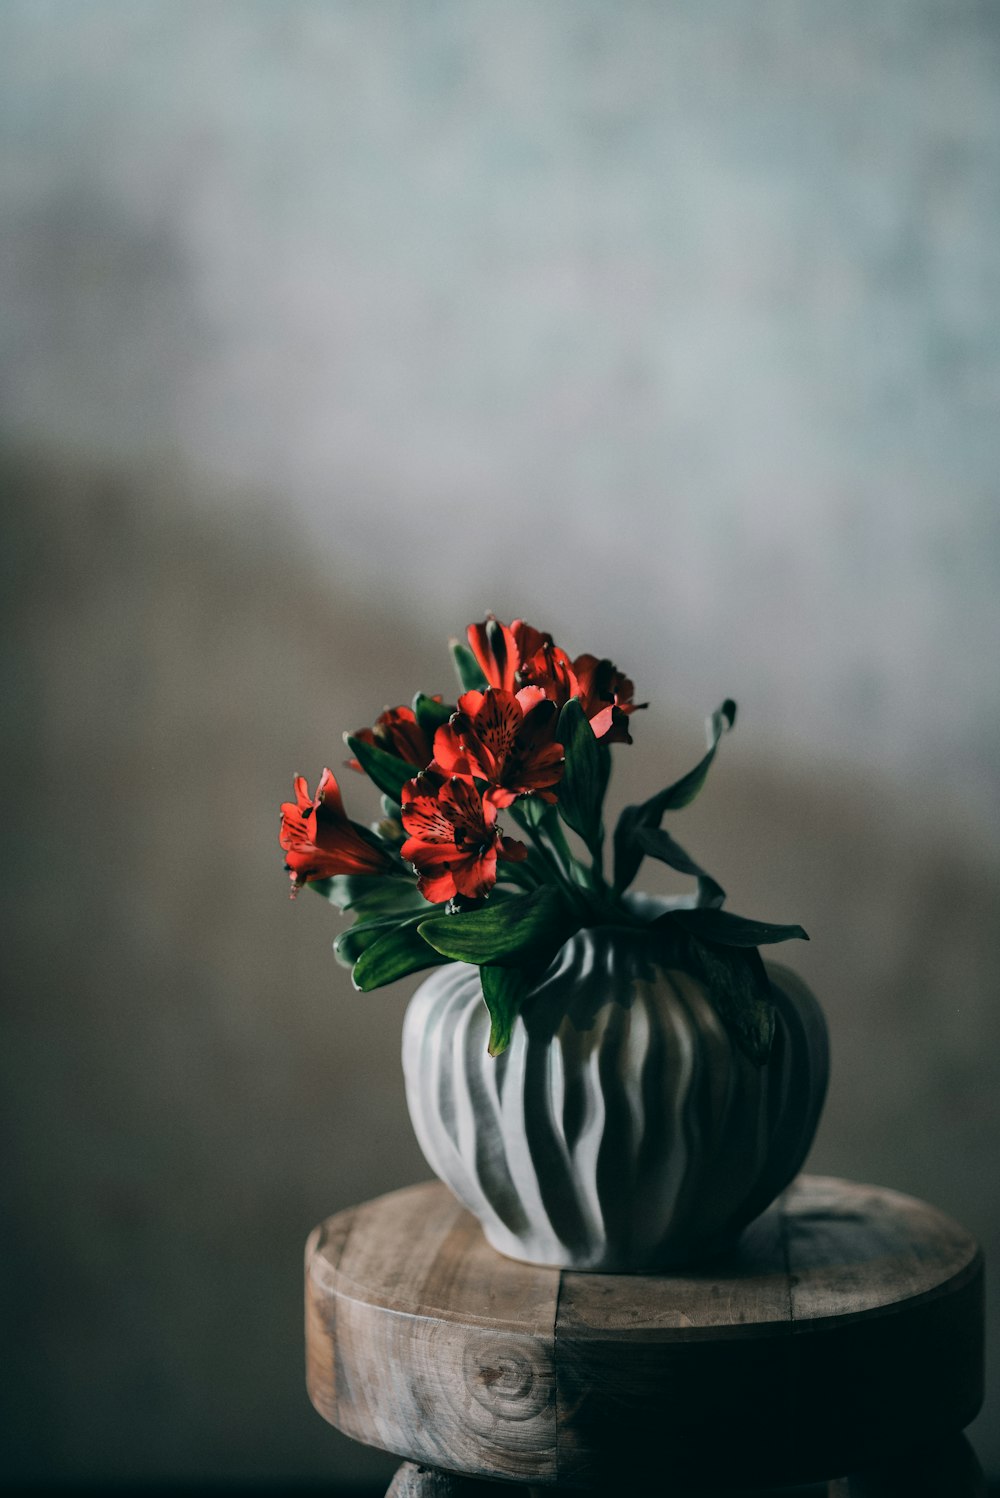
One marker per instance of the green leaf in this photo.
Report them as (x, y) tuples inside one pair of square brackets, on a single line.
[(373, 894), (659, 844), (504, 989), (467, 668), (721, 951), (393, 956), (350, 944), (430, 714), (683, 791), (389, 773), (585, 777), (522, 931), (628, 850), (733, 930)]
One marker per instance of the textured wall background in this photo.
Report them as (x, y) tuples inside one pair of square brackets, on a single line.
[(327, 326)]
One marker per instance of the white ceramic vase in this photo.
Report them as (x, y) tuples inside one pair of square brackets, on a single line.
[(622, 1130)]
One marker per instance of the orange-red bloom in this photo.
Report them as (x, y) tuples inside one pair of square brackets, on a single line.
[(320, 840), (606, 697), (396, 731), (551, 669), (453, 840), (495, 649), (506, 739), (521, 656)]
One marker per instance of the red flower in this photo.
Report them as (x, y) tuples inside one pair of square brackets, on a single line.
[(453, 837), (320, 840), (606, 697), (506, 739), (551, 669), (529, 640), (495, 649), (396, 731), (524, 656)]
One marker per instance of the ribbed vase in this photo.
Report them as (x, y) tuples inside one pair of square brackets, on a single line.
[(622, 1130)]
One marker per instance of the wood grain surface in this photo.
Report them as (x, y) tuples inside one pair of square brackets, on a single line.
[(845, 1328)]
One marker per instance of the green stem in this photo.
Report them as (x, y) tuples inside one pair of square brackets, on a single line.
[(594, 876), (572, 892)]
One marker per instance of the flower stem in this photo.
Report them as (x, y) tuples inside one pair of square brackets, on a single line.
[(573, 893)]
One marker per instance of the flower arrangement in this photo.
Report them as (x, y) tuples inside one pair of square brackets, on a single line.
[(437, 879)]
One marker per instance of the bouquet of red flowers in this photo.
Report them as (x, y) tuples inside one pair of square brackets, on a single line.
[(438, 880)]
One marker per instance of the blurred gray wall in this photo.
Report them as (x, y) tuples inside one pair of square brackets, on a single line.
[(325, 327)]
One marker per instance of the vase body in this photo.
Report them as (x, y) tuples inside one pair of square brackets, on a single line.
[(622, 1130)]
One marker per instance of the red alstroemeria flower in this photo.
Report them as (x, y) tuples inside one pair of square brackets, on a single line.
[(320, 840), (529, 641), (495, 649), (606, 697), (453, 841), (506, 739), (551, 669), (520, 656), (396, 731)]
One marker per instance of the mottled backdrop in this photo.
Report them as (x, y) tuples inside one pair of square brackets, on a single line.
[(326, 326)]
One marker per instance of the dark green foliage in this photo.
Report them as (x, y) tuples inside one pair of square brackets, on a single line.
[(585, 777)]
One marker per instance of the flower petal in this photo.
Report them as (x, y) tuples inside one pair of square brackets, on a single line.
[(551, 669), (473, 816), (476, 874), (449, 751), (498, 723), (606, 698), (320, 841), (530, 697), (437, 883), (329, 803), (494, 648), (528, 639), (603, 722), (423, 813)]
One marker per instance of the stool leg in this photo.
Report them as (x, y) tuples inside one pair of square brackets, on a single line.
[(413, 1481), (945, 1467)]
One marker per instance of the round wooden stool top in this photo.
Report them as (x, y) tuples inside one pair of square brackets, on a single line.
[(846, 1326)]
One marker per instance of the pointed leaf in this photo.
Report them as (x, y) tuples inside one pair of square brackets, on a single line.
[(628, 851), (522, 930), (389, 773), (683, 791), (350, 944), (467, 668), (734, 930), (659, 844), (585, 776), (373, 894), (430, 714), (393, 956), (504, 989)]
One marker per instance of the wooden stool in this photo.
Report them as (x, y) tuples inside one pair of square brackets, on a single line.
[(843, 1336)]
